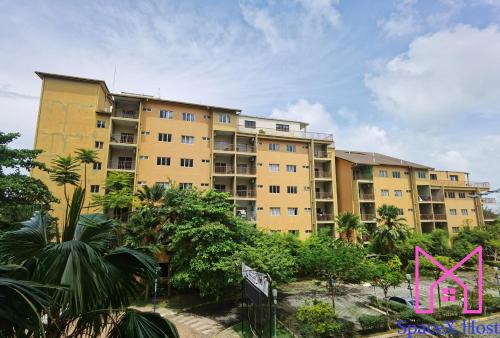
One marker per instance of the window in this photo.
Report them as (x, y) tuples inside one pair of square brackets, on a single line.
[(274, 189), (162, 160), (185, 186), (384, 192), (187, 162), (166, 114), (382, 173), (308, 231), (97, 166), (205, 161), (401, 211), (450, 194), (454, 177), (464, 212), (187, 139), (293, 211), (422, 174), (434, 177), (162, 137), (146, 109), (294, 232), (291, 148), (94, 188), (224, 118), (455, 229), (188, 117), (398, 193), (99, 144), (307, 209), (220, 187), (275, 211), (461, 195), (291, 189), (453, 212), (282, 127), (143, 157), (205, 184), (274, 147), (250, 124), (274, 168), (145, 133), (101, 124), (164, 184), (291, 168), (396, 174)]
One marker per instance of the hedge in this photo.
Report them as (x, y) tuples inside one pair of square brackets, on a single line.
[(373, 323)]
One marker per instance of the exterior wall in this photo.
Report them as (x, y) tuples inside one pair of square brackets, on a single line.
[(345, 192), (302, 200), (67, 121)]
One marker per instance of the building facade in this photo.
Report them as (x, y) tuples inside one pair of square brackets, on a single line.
[(278, 174), (427, 199)]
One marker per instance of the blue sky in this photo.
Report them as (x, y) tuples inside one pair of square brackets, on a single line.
[(414, 79)]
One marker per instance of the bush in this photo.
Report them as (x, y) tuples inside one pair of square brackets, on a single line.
[(372, 323), (396, 307), (411, 317), (372, 300), (492, 304), (319, 320), (451, 311)]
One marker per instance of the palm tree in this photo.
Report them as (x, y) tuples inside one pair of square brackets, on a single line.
[(86, 156), (152, 196), (350, 226), (64, 172), (391, 227), (98, 280)]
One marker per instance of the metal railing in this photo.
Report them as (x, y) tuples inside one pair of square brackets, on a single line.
[(368, 217), (124, 138), (224, 146), (121, 165), (424, 198), (245, 148), (291, 133), (246, 193), (360, 176), (229, 192), (223, 169), (426, 217), (128, 114), (324, 217), (320, 154), (489, 200), (250, 216), (452, 183), (366, 196), (322, 174), (245, 170), (440, 217), (439, 198), (324, 195)]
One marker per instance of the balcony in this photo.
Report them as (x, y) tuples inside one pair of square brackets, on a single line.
[(223, 169), (362, 176), (223, 146), (245, 148), (424, 198), (440, 217), (366, 196), (246, 193), (426, 217), (322, 174), (126, 113), (226, 191), (121, 165), (324, 217), (248, 215), (290, 133), (320, 154), (489, 200), (124, 138), (324, 195), (245, 170), (368, 217)]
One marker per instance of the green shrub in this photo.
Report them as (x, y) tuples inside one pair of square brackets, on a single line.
[(318, 320), (373, 323), (411, 317), (452, 311), (372, 300), (492, 304), (396, 307)]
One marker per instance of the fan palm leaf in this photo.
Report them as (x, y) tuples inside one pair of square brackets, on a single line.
[(136, 324)]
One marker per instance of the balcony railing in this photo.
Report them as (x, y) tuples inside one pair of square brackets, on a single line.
[(324, 195), (249, 215), (451, 183), (229, 192), (291, 133), (424, 198), (121, 165), (366, 196), (426, 217), (124, 138), (489, 200), (245, 170), (246, 193), (438, 198), (368, 217), (322, 174), (324, 217), (440, 217), (128, 114), (223, 146), (320, 154), (223, 169), (245, 148), (361, 176)]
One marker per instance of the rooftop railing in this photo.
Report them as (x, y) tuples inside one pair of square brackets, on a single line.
[(290, 133), (452, 183)]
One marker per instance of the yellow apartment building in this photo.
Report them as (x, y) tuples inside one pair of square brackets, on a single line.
[(427, 198), (279, 175)]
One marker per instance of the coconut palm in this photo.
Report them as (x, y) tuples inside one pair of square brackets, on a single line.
[(86, 156), (350, 226), (99, 281), (391, 227)]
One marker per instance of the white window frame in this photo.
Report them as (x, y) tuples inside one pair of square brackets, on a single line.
[(188, 117), (291, 166), (186, 139), (274, 167), (275, 211), (166, 114)]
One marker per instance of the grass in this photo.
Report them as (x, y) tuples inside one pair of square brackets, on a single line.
[(282, 332)]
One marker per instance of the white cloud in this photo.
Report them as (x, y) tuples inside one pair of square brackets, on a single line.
[(449, 73), (402, 21), (322, 9)]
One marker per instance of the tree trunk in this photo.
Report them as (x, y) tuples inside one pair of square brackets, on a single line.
[(387, 308), (439, 300)]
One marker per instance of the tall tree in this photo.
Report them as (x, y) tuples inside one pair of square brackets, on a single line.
[(350, 226), (86, 157), (119, 194), (392, 227)]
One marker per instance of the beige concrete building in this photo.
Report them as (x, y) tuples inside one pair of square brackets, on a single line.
[(427, 198), (278, 174)]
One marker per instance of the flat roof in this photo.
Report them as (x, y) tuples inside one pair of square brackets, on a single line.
[(43, 75), (303, 124), (370, 158)]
